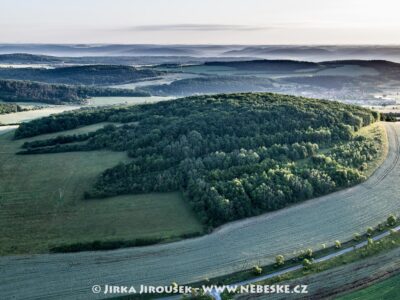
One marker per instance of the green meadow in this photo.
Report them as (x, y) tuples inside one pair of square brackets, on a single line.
[(42, 205)]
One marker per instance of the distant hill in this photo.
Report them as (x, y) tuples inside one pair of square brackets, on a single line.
[(293, 77), (287, 65), (28, 91), (24, 58), (113, 49), (318, 53), (309, 53), (160, 51), (279, 51), (327, 82), (270, 65), (382, 66), (211, 85), (126, 58), (87, 75)]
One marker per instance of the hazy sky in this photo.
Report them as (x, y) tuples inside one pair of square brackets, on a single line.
[(201, 21)]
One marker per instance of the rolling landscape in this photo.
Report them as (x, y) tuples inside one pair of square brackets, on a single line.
[(179, 151), (193, 175)]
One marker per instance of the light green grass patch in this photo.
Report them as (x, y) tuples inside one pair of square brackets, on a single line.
[(104, 101), (376, 132)]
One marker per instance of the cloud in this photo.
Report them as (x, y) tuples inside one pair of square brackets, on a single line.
[(197, 27)]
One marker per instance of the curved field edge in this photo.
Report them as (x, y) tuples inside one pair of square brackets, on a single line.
[(42, 206)]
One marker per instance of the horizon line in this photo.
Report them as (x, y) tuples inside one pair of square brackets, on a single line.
[(197, 44)]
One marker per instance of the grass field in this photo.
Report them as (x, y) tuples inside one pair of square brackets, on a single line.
[(25, 116), (103, 101), (41, 202), (387, 289)]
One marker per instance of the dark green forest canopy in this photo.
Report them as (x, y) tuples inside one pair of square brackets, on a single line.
[(233, 156), (265, 64), (29, 91), (211, 85), (86, 75)]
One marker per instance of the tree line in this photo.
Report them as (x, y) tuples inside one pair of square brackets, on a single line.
[(81, 75), (29, 91), (7, 108)]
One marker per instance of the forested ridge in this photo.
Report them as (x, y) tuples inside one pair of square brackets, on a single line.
[(274, 65), (81, 75), (28, 91), (26, 58), (232, 156), (211, 85)]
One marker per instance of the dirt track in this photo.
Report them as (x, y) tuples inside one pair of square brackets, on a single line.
[(233, 247)]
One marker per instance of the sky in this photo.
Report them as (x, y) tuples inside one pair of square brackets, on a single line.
[(260, 22)]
